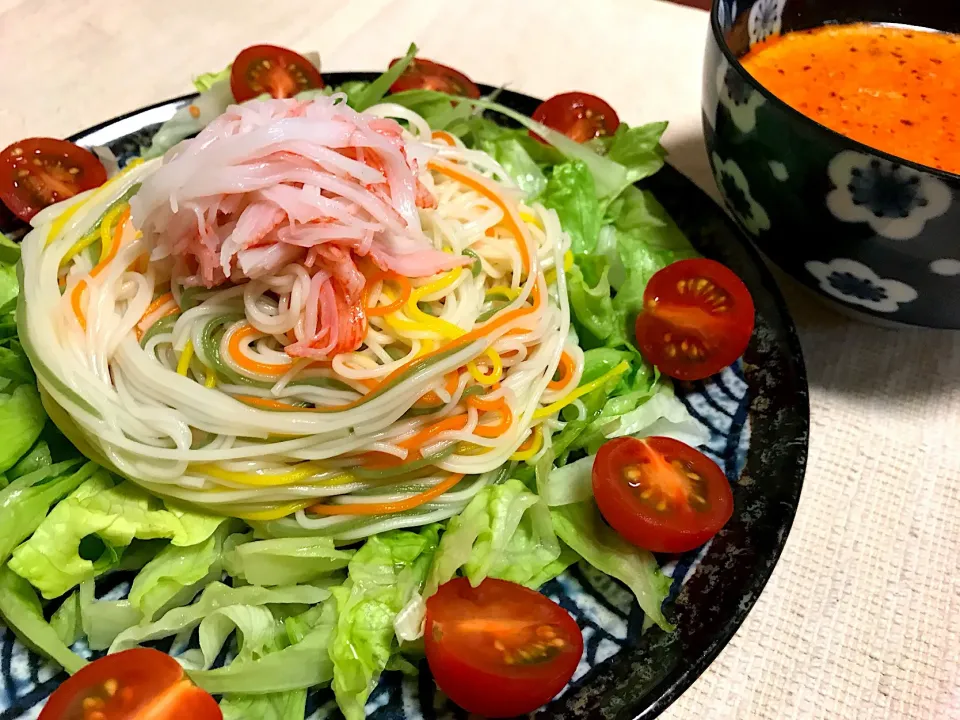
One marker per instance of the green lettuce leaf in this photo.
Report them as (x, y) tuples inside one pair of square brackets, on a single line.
[(381, 578), (285, 561), (303, 664), (22, 418), (25, 502), (258, 633), (647, 237), (505, 532), (592, 310), (372, 93), (104, 620), (582, 527), (14, 366), (637, 148), (85, 534), (36, 458), (207, 80), (65, 620), (22, 613), (290, 705), (571, 191), (215, 596), (176, 574)]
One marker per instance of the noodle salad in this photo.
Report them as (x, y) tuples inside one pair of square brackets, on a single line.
[(338, 376)]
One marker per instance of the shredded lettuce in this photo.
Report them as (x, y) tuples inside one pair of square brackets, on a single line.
[(21, 421), (25, 502), (65, 620), (372, 93), (382, 577), (22, 613), (505, 532), (273, 706), (215, 596), (86, 533), (582, 527), (285, 561), (176, 574), (204, 81), (571, 191), (302, 664), (104, 620), (36, 458)]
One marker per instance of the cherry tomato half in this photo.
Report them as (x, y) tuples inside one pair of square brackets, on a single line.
[(578, 115), (697, 318), (428, 75), (38, 172), (271, 69), (138, 684), (660, 494), (499, 649)]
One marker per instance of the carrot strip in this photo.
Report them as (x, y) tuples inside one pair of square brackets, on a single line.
[(156, 305), (444, 137), (378, 310), (390, 507), (252, 366), (78, 289), (456, 422), (170, 311), (566, 369), (498, 406), (483, 186), (431, 398)]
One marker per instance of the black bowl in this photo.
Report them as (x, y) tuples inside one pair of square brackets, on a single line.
[(875, 233)]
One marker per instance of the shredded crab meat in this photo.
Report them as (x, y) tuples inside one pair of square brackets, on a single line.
[(275, 182)]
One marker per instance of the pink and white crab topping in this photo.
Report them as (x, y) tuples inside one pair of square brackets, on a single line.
[(275, 182)]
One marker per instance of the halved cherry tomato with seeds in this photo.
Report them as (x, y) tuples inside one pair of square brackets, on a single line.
[(578, 115), (499, 649), (429, 75), (697, 319), (660, 494), (138, 684), (38, 172), (270, 69)]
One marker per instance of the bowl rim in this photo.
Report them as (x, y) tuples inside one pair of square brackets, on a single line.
[(718, 36)]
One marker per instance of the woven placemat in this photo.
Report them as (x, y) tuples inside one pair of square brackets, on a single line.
[(861, 618)]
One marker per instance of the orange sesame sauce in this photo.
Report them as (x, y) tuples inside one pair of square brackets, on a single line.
[(894, 89)]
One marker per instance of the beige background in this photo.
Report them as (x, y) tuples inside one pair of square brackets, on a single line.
[(862, 616)]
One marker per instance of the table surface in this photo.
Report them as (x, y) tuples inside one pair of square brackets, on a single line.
[(861, 618)]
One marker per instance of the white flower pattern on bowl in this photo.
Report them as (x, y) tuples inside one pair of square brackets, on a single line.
[(856, 284), (895, 200), (736, 191), (738, 97), (765, 19), (726, 14)]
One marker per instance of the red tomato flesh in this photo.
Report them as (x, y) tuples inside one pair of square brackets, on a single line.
[(428, 75), (697, 319), (38, 172), (138, 684), (660, 494), (578, 115), (270, 69), (499, 649)]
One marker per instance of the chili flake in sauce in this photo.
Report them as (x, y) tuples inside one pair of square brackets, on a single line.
[(894, 89)]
